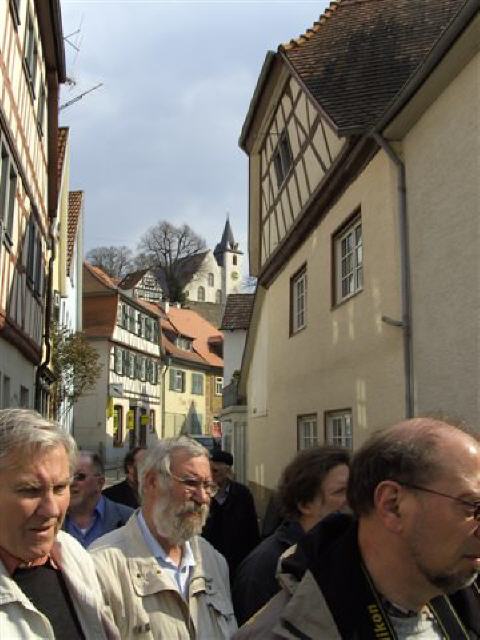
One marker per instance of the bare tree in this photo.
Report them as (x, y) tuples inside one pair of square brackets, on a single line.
[(115, 261), (165, 246)]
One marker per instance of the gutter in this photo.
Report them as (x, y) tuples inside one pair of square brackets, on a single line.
[(405, 275)]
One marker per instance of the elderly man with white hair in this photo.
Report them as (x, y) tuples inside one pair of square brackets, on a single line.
[(48, 586), (161, 579)]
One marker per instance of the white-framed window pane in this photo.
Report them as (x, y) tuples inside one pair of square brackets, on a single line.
[(218, 386), (299, 301), (197, 383), (339, 429), (307, 432), (349, 260)]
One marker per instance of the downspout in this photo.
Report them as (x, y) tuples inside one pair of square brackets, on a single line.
[(405, 274)]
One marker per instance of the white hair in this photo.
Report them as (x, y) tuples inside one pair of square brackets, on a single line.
[(26, 432), (158, 458)]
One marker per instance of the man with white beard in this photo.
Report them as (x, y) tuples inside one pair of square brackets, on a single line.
[(161, 579)]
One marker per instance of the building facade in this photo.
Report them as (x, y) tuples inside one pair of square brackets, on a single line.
[(32, 67), (342, 339), (124, 408)]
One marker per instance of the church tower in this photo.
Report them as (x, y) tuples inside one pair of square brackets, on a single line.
[(229, 258)]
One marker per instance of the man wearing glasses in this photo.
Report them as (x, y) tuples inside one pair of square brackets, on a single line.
[(159, 576), (91, 515), (389, 571)]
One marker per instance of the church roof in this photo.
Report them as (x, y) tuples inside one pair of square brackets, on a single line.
[(227, 243)]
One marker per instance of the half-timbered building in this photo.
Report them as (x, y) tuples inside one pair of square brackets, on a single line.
[(362, 136), (32, 65), (123, 410)]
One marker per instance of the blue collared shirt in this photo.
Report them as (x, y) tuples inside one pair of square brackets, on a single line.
[(94, 531), (180, 575)]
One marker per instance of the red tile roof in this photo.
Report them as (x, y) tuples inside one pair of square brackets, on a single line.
[(190, 324), (75, 204), (63, 133), (360, 54), (100, 275), (238, 311)]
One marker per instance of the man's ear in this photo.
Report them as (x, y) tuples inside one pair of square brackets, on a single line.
[(150, 481), (387, 499)]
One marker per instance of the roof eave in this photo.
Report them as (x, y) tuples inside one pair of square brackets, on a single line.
[(257, 94)]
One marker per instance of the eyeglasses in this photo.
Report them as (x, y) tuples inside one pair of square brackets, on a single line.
[(193, 484), (472, 505)]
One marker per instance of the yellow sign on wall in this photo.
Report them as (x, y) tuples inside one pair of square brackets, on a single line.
[(144, 420), (130, 419)]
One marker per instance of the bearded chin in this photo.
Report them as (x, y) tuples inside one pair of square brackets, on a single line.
[(178, 527), (449, 583)]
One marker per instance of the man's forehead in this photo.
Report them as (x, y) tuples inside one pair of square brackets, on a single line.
[(22, 464), (183, 459)]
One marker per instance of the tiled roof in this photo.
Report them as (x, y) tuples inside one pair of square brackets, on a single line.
[(211, 311), (62, 147), (188, 323), (238, 311), (131, 279), (360, 53), (75, 202), (100, 275)]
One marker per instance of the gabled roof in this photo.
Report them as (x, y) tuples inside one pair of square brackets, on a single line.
[(63, 133), (238, 311), (360, 53), (100, 276), (131, 279), (75, 203), (188, 323)]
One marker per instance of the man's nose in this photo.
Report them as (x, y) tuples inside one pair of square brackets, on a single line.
[(48, 505)]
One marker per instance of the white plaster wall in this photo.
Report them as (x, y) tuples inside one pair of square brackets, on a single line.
[(233, 344), (442, 156), (20, 371), (209, 265)]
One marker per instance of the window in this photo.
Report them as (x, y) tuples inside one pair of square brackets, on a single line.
[(201, 294), (8, 191), (140, 324), (24, 397), (6, 392), (117, 425), (234, 261), (298, 300), (148, 329), (15, 9), (349, 261), (211, 280), (31, 53), (184, 343), (131, 365), (31, 253), (151, 421), (218, 296), (177, 380), (38, 276), (307, 435), (282, 158), (218, 386), (118, 360), (338, 425), (197, 384), (143, 369), (41, 107), (131, 319)]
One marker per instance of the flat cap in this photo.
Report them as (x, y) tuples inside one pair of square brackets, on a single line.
[(222, 456)]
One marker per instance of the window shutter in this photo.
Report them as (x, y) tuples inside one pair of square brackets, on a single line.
[(172, 379)]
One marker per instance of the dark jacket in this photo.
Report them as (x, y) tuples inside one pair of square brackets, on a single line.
[(232, 527), (115, 516), (326, 593), (255, 581), (123, 493)]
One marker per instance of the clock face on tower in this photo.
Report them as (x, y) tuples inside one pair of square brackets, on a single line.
[(234, 275)]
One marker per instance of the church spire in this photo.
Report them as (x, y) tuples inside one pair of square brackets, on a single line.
[(227, 243)]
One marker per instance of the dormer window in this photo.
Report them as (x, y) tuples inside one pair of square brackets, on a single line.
[(184, 343), (282, 158)]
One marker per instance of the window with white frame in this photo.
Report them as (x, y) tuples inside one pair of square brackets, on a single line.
[(338, 425), (218, 386), (8, 191), (307, 434), (201, 294), (184, 343), (282, 158), (298, 300), (211, 280), (118, 360), (177, 380), (197, 384), (349, 260)]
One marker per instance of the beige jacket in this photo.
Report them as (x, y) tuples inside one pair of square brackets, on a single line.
[(20, 619), (144, 603)]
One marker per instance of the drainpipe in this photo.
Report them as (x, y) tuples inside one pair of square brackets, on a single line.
[(405, 274)]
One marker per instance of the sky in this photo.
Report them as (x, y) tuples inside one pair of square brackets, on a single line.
[(159, 139)]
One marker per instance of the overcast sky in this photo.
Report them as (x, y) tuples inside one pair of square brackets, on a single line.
[(160, 139)]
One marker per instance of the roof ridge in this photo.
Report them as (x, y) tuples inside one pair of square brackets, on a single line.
[(311, 31)]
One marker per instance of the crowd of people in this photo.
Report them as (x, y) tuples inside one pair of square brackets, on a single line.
[(383, 545)]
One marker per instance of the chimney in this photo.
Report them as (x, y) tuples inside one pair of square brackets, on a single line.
[(167, 306)]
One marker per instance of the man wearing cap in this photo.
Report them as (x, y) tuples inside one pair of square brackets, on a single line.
[(232, 526)]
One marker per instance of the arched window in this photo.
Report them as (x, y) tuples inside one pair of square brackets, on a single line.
[(211, 280), (201, 294), (234, 261), (218, 296)]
